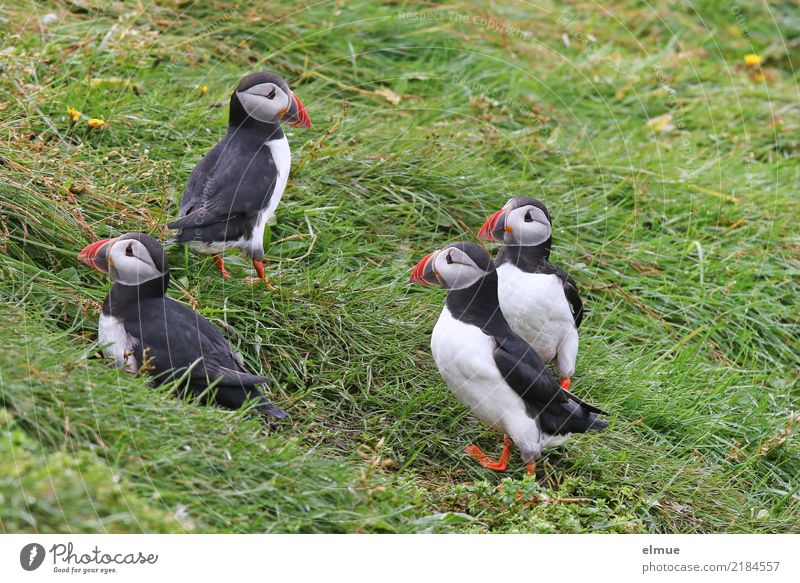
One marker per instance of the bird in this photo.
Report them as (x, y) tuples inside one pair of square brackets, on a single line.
[(141, 329), (493, 371), (234, 190), (540, 300)]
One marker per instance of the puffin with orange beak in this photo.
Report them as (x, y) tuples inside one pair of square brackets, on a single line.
[(489, 368), (142, 329), (540, 301), (234, 190)]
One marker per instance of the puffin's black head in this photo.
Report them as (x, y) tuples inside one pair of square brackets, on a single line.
[(131, 259), (265, 97), (457, 266), (523, 221)]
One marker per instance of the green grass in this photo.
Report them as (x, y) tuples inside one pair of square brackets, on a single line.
[(682, 237)]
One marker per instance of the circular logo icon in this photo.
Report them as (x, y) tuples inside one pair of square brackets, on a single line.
[(31, 556)]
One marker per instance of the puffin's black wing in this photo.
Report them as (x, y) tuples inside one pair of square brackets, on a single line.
[(526, 372), (573, 297), (172, 338), (236, 181), (559, 411), (235, 383), (218, 360), (204, 171)]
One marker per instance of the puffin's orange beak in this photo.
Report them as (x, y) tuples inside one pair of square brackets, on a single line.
[(423, 271), (94, 255), (487, 232), (301, 116)]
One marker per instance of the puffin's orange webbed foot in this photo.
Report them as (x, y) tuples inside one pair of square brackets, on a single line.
[(221, 266), (566, 383), (498, 466)]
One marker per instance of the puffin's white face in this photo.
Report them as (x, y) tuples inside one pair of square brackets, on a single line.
[(526, 225), (454, 269), (265, 102), (130, 262)]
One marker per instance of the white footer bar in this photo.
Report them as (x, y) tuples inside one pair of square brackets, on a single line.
[(355, 558)]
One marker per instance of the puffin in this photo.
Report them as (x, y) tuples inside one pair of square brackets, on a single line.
[(492, 370), (540, 301), (141, 328), (234, 190)]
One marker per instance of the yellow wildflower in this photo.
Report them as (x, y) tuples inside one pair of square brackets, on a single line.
[(752, 60), (661, 123), (203, 89), (74, 114), (96, 123)]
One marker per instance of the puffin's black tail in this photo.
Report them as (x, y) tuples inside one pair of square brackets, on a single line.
[(235, 397), (571, 417), (584, 404), (268, 408), (596, 422), (180, 223)]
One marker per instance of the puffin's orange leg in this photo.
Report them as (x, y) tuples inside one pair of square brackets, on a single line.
[(566, 383), (498, 466), (221, 266), (258, 265)]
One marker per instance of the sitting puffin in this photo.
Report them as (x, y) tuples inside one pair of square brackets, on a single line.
[(142, 329), (489, 368), (539, 300), (237, 186)]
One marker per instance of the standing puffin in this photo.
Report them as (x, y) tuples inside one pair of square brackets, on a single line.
[(142, 329), (539, 300), (489, 368), (236, 187)]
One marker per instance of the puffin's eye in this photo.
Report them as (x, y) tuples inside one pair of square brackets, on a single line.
[(129, 250), (272, 94), (449, 259), (528, 217)]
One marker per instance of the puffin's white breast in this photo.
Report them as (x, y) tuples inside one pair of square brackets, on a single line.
[(117, 343), (536, 307), (464, 357), (283, 162)]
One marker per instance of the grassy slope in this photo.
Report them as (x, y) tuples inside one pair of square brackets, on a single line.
[(682, 239)]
